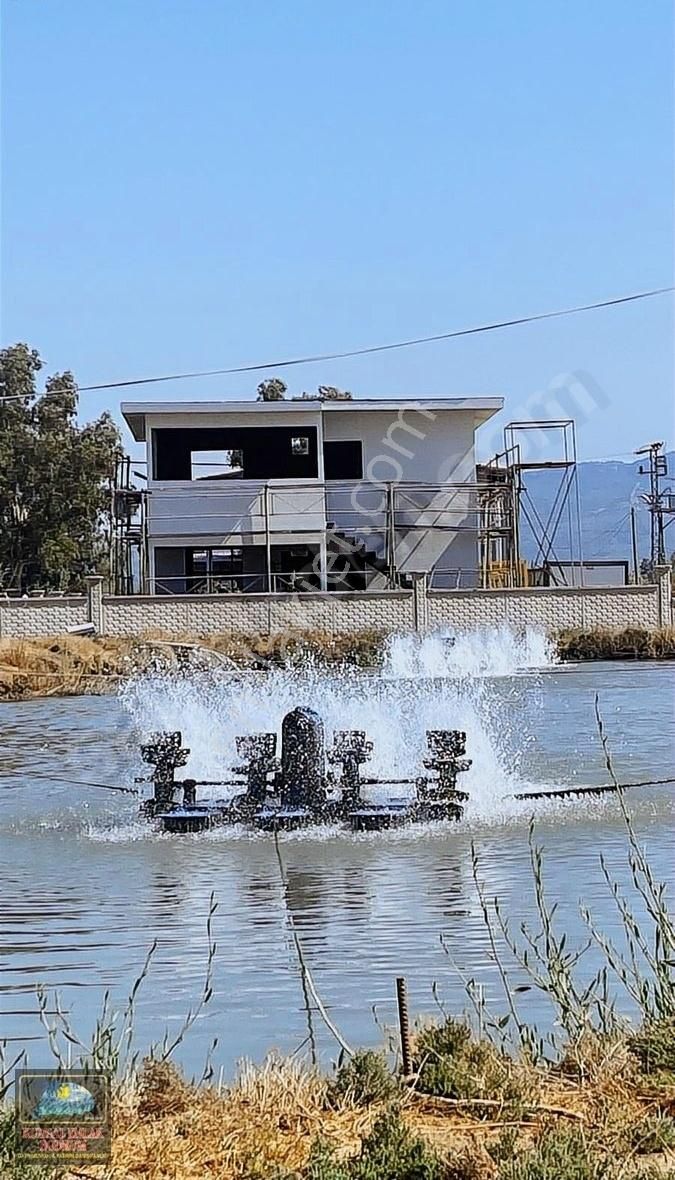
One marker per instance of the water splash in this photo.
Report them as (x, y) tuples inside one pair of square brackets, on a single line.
[(488, 651), (428, 682)]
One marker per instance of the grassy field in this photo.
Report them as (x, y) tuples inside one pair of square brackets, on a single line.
[(72, 665)]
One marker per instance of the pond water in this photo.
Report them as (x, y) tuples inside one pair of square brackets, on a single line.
[(86, 886)]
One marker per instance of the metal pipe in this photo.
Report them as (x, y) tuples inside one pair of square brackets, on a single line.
[(404, 1025), (634, 545), (374, 782), (577, 496)]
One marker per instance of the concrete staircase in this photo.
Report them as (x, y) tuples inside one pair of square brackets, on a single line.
[(354, 566)]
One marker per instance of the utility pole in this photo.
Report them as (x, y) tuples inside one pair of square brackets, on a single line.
[(634, 545), (657, 502)]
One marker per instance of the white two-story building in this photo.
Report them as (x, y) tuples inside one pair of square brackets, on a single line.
[(309, 494)]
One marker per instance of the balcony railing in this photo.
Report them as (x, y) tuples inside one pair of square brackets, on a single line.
[(289, 582), (208, 509)]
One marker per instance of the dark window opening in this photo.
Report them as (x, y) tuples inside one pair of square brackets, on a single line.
[(216, 465), (225, 571), (295, 568), (247, 452), (343, 460)]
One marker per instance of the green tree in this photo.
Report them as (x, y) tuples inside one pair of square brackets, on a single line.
[(272, 390), (55, 479)]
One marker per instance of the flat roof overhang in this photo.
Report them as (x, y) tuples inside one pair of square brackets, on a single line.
[(135, 413)]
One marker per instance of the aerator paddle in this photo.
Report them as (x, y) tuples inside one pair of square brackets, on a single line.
[(605, 788)]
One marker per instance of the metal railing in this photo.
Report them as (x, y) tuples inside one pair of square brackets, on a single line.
[(278, 582), (454, 579), (356, 504)]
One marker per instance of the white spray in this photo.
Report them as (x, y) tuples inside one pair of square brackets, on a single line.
[(436, 681)]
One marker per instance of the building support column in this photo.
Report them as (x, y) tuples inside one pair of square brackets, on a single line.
[(268, 541), (323, 563)]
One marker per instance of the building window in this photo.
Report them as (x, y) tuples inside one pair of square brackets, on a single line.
[(343, 459), (216, 464), (299, 444)]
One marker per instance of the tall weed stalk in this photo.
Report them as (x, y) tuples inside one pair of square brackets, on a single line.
[(644, 968)]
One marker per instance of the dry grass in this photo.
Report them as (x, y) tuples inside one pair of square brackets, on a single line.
[(617, 643), (267, 1122), (71, 665), (64, 666)]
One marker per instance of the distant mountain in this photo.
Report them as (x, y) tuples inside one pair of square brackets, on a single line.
[(607, 491)]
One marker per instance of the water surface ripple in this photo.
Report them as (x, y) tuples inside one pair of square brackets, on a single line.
[(85, 887)]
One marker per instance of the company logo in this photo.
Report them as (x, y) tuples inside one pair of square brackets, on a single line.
[(62, 1115)]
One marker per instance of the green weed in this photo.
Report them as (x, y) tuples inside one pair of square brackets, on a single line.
[(363, 1079), (390, 1152), (449, 1063)]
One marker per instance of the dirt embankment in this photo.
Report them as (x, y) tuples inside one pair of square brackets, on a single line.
[(469, 1111), (72, 665)]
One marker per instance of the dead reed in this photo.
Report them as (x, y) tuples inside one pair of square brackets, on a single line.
[(72, 665), (617, 643)]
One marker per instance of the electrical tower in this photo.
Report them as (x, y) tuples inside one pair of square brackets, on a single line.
[(660, 503)]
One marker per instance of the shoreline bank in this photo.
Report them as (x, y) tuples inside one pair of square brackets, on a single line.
[(469, 1110), (75, 665)]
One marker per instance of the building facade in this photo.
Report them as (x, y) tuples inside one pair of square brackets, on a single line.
[(318, 495)]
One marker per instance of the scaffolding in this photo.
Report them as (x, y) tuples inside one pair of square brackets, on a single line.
[(128, 550), (509, 498)]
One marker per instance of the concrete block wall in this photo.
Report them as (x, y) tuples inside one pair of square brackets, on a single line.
[(419, 609), (550, 608), (259, 613), (28, 618)]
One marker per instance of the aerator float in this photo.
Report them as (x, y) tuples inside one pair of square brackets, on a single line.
[(309, 784)]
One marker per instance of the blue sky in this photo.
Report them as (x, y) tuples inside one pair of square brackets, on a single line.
[(200, 184)]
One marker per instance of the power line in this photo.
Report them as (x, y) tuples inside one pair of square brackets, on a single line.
[(332, 356)]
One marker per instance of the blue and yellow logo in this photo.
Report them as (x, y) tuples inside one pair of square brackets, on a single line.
[(61, 1099)]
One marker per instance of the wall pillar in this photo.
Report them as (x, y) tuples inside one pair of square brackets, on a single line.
[(664, 582), (420, 602), (95, 609)]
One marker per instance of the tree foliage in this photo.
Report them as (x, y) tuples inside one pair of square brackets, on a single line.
[(326, 393), (272, 390), (55, 478)]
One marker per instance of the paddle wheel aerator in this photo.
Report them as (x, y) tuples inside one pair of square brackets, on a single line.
[(310, 783)]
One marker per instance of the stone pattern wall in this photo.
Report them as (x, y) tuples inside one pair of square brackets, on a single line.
[(252, 613), (26, 618), (550, 608), (407, 610)]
